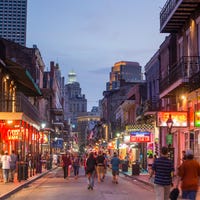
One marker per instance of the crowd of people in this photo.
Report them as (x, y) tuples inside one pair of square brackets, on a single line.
[(95, 165)]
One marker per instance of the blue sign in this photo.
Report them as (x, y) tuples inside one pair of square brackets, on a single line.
[(57, 143)]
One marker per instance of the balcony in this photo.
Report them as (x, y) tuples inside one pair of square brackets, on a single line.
[(175, 13), (57, 111), (181, 75), (58, 122), (21, 104)]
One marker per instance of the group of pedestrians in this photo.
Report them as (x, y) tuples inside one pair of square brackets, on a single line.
[(8, 166), (98, 165), (187, 179), (95, 166), (70, 163)]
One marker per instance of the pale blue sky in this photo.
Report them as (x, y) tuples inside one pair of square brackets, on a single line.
[(89, 36)]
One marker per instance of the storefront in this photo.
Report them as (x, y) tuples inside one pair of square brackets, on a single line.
[(142, 142), (20, 134)]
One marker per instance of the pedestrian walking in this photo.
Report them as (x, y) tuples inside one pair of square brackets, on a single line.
[(66, 162), (189, 173), (105, 165), (100, 166), (127, 159), (115, 162), (183, 155), (84, 162), (163, 169), (13, 165), (76, 165), (5, 159), (90, 170), (150, 161), (1, 170)]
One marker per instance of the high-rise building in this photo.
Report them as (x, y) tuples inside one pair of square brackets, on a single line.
[(13, 20), (75, 101), (125, 71)]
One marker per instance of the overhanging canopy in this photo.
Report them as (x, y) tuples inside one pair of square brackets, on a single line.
[(24, 80)]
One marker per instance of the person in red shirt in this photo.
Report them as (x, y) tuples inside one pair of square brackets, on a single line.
[(66, 162), (189, 173)]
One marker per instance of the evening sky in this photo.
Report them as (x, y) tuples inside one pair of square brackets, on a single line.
[(89, 36)]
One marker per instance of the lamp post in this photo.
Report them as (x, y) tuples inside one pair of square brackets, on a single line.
[(118, 141), (169, 137)]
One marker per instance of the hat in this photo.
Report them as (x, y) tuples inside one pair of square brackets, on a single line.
[(189, 152)]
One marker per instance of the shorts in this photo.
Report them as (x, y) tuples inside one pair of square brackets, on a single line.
[(115, 172)]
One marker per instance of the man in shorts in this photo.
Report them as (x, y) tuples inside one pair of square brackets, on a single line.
[(115, 162)]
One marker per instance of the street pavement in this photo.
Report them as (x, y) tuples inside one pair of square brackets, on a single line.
[(10, 188)]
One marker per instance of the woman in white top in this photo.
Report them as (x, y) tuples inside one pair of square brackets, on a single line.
[(5, 159)]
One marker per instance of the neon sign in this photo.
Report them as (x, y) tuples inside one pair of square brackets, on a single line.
[(139, 136), (197, 119), (14, 134)]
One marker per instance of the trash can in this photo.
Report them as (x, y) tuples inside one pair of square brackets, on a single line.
[(22, 171), (136, 169), (124, 167), (48, 164)]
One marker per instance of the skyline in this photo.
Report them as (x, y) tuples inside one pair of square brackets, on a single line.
[(89, 38)]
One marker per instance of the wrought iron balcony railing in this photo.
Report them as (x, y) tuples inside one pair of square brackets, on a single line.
[(182, 71), (175, 13), (20, 104)]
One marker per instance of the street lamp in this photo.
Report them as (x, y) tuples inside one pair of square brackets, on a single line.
[(169, 137), (118, 141), (169, 123)]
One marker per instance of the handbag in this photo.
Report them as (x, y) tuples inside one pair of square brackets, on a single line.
[(174, 194)]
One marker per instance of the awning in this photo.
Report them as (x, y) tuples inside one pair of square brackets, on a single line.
[(19, 116), (24, 80)]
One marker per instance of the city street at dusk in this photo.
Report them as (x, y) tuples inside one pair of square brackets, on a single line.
[(99, 83)]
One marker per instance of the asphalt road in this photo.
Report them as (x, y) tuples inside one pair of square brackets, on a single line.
[(54, 187)]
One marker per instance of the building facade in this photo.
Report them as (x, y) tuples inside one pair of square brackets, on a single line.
[(13, 20), (179, 75), (75, 102)]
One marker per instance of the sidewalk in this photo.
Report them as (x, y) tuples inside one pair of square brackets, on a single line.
[(143, 177), (10, 188)]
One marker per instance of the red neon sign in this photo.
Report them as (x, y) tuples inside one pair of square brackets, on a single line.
[(137, 136), (14, 134)]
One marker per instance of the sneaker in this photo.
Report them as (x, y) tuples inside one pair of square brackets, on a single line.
[(88, 187), (116, 182)]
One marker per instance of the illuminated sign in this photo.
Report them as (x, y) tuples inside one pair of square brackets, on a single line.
[(111, 145), (14, 134), (180, 119), (139, 136), (197, 119), (126, 139)]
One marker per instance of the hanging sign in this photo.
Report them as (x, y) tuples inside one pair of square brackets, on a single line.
[(140, 136), (197, 119)]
